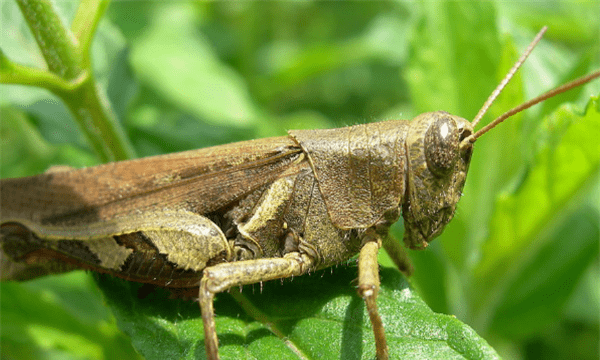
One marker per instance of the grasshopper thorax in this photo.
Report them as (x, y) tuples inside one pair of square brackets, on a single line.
[(438, 161)]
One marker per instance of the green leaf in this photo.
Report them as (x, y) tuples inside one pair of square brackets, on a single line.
[(566, 161), (319, 316), (59, 317), (568, 156), (545, 283), (22, 140), (448, 65), (178, 62)]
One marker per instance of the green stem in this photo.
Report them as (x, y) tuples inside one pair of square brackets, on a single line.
[(11, 73), (86, 21), (93, 112), (67, 57), (56, 42)]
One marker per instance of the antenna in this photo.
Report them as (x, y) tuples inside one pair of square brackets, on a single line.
[(561, 89), (507, 78)]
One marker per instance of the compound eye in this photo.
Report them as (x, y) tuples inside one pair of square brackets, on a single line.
[(441, 146)]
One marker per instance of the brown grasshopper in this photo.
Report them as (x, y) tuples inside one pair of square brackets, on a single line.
[(252, 211)]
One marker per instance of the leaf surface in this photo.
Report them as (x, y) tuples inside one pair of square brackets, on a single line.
[(318, 316)]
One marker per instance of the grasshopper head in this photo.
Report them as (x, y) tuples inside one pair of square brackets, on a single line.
[(439, 147), (438, 161)]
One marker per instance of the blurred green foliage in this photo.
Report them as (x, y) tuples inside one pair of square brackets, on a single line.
[(519, 263)]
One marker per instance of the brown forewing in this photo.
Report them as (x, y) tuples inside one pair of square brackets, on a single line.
[(202, 181)]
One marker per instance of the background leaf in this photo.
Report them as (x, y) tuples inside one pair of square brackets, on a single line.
[(518, 264)]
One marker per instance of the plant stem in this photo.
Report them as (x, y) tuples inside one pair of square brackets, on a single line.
[(86, 21), (67, 56), (11, 73)]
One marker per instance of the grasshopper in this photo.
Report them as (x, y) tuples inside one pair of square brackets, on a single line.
[(252, 211)]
